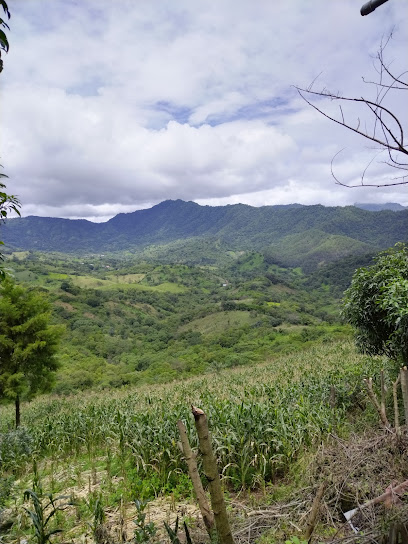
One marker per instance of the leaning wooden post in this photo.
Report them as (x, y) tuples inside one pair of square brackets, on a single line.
[(312, 519), (190, 458), (213, 477)]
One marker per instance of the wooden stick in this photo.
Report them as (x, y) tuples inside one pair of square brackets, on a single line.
[(190, 458), (404, 390), (396, 409), (383, 392), (312, 520), (381, 413), (211, 473), (401, 488)]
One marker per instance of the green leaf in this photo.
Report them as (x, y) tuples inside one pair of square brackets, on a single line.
[(5, 7), (4, 44), (4, 24)]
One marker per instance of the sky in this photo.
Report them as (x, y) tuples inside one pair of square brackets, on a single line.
[(114, 106)]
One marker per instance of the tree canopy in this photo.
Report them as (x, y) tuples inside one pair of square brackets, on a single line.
[(376, 304), (28, 344)]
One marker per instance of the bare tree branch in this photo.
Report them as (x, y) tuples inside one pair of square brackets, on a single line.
[(387, 130)]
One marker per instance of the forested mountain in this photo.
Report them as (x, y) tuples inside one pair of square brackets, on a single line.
[(293, 235), (394, 206)]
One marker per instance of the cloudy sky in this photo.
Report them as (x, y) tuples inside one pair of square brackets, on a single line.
[(113, 106)]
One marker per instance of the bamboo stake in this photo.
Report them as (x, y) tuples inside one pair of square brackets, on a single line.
[(312, 520), (211, 472), (190, 458)]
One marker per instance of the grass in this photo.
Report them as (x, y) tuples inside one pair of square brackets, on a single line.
[(129, 278), (125, 282), (214, 323)]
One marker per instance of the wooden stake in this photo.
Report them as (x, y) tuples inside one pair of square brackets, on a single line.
[(211, 473), (332, 400), (312, 520), (396, 409), (190, 458)]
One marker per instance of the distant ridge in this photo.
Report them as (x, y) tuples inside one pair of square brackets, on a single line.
[(290, 233), (378, 207)]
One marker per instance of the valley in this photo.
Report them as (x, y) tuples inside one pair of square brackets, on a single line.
[(129, 322), (249, 331)]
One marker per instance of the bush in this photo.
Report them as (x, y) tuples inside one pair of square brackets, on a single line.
[(15, 446)]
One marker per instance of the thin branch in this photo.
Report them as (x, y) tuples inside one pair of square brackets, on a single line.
[(339, 122), (392, 86), (400, 143), (368, 166), (342, 115), (390, 74), (360, 100), (383, 124)]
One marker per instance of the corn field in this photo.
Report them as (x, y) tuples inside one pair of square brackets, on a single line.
[(261, 418)]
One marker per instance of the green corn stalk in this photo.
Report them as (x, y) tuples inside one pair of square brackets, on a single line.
[(173, 533), (42, 513)]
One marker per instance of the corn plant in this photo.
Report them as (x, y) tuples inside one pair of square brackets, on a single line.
[(95, 506), (173, 533), (261, 418), (42, 513), (144, 532)]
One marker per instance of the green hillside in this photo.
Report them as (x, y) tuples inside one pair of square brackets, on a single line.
[(130, 321), (314, 248), (283, 229)]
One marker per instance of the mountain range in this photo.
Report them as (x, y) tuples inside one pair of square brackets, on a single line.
[(292, 234)]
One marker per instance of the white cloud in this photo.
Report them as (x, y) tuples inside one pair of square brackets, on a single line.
[(113, 106)]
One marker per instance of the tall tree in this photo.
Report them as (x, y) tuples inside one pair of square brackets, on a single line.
[(376, 304), (28, 344)]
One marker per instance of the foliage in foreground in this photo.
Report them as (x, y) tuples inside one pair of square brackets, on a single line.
[(28, 344), (376, 304)]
